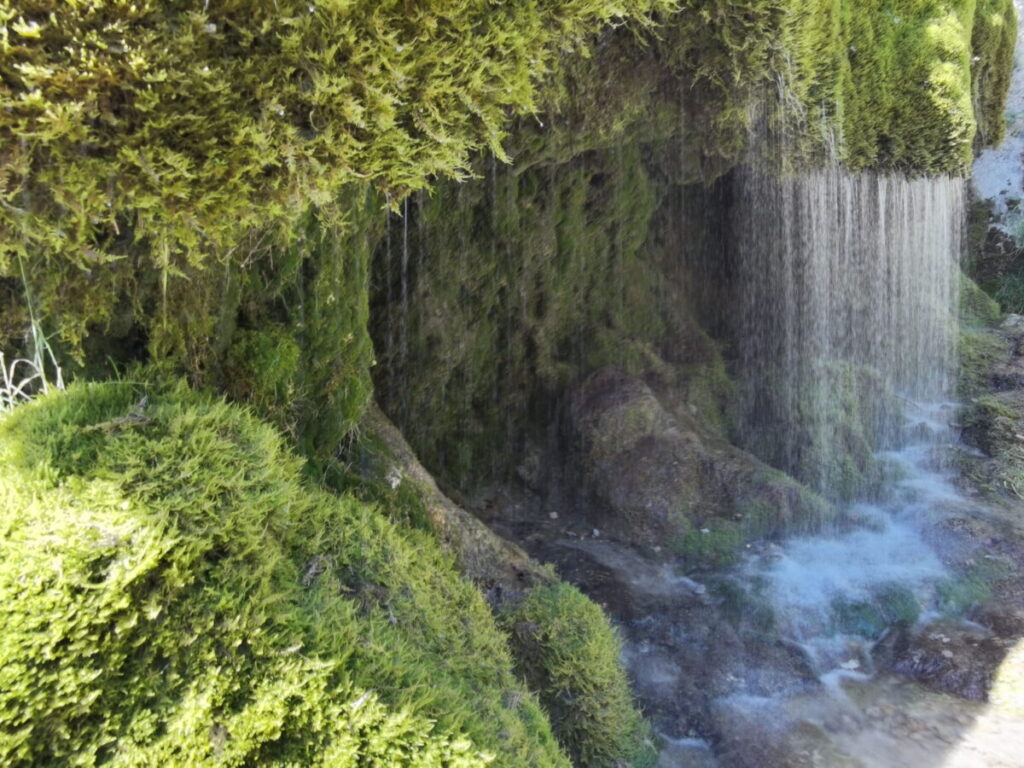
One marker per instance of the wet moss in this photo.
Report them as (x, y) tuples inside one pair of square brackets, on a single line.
[(844, 416), (970, 588), (889, 606), (516, 287), (978, 352), (715, 545), (977, 308)]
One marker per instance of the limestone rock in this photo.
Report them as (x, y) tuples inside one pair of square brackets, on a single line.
[(658, 478), (486, 558)]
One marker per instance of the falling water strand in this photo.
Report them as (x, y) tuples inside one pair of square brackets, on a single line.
[(843, 278), (389, 340), (403, 342)]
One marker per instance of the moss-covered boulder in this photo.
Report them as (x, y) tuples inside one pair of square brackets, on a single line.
[(171, 593), (653, 477)]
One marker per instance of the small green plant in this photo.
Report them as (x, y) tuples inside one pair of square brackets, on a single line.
[(1010, 293), (569, 654)]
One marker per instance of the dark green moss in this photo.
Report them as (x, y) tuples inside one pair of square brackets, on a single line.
[(891, 605), (714, 546), (969, 588), (515, 287), (979, 351), (844, 416)]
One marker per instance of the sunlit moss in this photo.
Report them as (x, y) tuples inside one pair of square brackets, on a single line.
[(174, 595)]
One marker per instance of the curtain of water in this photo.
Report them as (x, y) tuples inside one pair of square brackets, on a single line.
[(848, 289)]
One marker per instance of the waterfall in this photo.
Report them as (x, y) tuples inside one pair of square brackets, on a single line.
[(847, 289)]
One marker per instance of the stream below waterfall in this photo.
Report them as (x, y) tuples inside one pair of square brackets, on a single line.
[(806, 652), (834, 603)]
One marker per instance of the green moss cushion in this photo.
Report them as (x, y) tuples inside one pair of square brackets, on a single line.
[(171, 594)]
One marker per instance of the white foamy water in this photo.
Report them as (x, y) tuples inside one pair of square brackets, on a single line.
[(815, 571), (880, 567)]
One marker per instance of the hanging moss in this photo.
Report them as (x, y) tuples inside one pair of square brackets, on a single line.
[(189, 601), (301, 352), (186, 128), (161, 164), (993, 42), (903, 84), (518, 286)]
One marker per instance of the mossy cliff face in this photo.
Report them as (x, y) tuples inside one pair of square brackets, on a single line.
[(155, 155), (150, 150), (904, 85), (496, 295)]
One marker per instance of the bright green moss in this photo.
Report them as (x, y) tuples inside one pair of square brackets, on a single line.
[(568, 653), (993, 40), (902, 84), (173, 595), (173, 133), (171, 175)]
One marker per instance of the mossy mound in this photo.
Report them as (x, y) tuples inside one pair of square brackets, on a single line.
[(568, 655), (172, 594)]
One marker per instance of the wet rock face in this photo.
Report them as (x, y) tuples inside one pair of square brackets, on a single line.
[(637, 463), (957, 658), (997, 257), (656, 478)]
